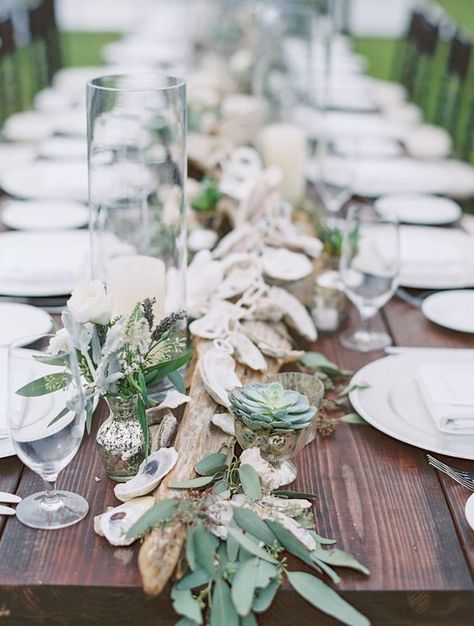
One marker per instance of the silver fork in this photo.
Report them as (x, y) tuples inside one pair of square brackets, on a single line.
[(463, 477)]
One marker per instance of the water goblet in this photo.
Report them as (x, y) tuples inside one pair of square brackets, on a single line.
[(46, 423), (369, 268)]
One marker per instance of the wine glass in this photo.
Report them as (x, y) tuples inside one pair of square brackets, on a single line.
[(369, 267), (46, 418), (335, 181)]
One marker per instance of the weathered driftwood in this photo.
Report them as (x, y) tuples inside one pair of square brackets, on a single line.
[(196, 438)]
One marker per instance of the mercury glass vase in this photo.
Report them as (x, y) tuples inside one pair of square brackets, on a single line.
[(137, 171), (120, 439)]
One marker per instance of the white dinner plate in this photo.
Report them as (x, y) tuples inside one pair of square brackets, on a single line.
[(14, 155), (28, 126), (469, 509), (42, 263), (20, 320), (368, 147), (44, 215), (420, 208), (47, 180), (431, 257), (451, 309), (393, 403)]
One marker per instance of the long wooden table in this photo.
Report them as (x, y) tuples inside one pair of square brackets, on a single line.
[(378, 497)]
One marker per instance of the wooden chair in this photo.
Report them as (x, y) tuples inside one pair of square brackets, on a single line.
[(10, 81), (46, 56)]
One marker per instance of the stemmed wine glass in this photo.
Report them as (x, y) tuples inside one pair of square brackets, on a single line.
[(369, 267), (335, 180), (46, 421)]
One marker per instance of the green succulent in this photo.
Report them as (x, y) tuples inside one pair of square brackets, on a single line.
[(271, 407)]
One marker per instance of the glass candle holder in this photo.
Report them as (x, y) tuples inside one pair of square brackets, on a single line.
[(330, 304), (137, 169)]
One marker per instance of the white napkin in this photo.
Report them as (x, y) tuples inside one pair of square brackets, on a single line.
[(448, 392)]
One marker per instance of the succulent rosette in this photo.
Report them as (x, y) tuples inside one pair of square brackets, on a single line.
[(271, 407)]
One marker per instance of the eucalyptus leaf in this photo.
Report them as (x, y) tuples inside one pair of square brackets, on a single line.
[(184, 621), (205, 547), (334, 576), (243, 586), (264, 598), (250, 482), (44, 385), (317, 361), (321, 540), (232, 547), (290, 543), (162, 511), (193, 483), (186, 605), (338, 557), (61, 414), (211, 464), (163, 370), (248, 620), (190, 552), (220, 487), (248, 520), (288, 493), (265, 573), (353, 418), (195, 579), (89, 413), (352, 387), (249, 545), (325, 599), (222, 611), (177, 381)]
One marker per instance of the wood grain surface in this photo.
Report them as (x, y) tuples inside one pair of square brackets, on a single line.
[(378, 497)]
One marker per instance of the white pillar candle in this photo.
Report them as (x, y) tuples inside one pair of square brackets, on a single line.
[(131, 279), (284, 145)]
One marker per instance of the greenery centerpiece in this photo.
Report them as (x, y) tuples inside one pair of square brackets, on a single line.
[(120, 358)]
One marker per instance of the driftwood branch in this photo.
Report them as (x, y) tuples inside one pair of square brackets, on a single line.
[(196, 438)]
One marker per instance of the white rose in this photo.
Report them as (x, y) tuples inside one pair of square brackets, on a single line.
[(60, 342), (89, 303)]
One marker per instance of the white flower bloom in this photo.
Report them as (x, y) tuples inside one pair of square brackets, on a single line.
[(137, 335), (60, 342), (89, 303)]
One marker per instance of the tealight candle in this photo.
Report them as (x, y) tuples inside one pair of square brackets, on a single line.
[(330, 302), (284, 145), (132, 278)]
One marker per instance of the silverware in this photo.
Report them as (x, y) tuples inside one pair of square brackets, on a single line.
[(414, 300), (10, 498), (6, 510), (463, 477)]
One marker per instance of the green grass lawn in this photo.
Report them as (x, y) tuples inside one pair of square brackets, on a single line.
[(84, 48)]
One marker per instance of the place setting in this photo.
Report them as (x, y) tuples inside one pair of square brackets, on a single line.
[(236, 316)]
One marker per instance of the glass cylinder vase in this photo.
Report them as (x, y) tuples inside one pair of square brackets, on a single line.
[(137, 171)]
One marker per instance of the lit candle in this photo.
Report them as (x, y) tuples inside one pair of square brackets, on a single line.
[(131, 279), (284, 145)]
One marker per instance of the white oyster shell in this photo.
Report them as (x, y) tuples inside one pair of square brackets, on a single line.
[(115, 523), (246, 352), (204, 273), (201, 239), (217, 370), (225, 422), (150, 473), (285, 265), (233, 240), (173, 400), (237, 281), (295, 314), (240, 172), (214, 324)]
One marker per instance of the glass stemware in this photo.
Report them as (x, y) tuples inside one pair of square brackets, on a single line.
[(335, 182), (46, 421), (369, 266)]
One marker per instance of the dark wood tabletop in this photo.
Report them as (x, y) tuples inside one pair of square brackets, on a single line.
[(378, 497)]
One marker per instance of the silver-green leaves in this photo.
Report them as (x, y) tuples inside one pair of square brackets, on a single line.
[(271, 407)]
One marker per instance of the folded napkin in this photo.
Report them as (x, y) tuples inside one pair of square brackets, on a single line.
[(448, 392)]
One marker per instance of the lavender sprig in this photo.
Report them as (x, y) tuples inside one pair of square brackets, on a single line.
[(167, 324)]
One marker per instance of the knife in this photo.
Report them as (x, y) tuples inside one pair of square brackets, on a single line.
[(6, 510), (11, 498)]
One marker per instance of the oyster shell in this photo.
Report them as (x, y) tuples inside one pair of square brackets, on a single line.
[(165, 433), (237, 281), (201, 239), (271, 477), (217, 370), (239, 172), (285, 265), (235, 240), (246, 352), (116, 522), (150, 473), (225, 422), (204, 273), (295, 314), (266, 310), (272, 340), (173, 400), (215, 322)]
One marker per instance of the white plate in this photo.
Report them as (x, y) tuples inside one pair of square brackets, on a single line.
[(63, 148), (46, 180), (42, 263), (451, 309), (19, 320), (367, 147), (44, 215), (6, 448), (14, 155), (420, 208), (394, 405), (433, 258), (28, 126), (470, 511)]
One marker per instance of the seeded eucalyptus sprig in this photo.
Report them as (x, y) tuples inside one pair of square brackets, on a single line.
[(236, 544)]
